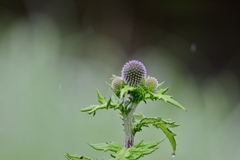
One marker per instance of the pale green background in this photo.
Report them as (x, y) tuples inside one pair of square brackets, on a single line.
[(43, 84)]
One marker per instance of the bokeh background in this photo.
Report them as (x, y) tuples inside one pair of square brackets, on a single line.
[(55, 54)]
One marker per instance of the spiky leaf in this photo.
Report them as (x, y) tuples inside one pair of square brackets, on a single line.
[(104, 104), (170, 135), (108, 146), (121, 153), (166, 98), (159, 123), (125, 90), (137, 151), (69, 157)]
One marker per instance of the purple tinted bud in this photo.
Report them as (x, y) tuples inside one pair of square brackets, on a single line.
[(133, 72), (151, 83)]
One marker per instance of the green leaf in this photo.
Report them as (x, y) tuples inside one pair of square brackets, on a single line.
[(117, 92), (138, 116), (137, 151), (69, 157), (93, 108), (108, 146), (110, 86), (121, 153), (154, 121), (101, 99), (104, 104), (166, 99), (114, 104), (163, 91), (125, 90), (160, 84), (170, 135), (159, 123)]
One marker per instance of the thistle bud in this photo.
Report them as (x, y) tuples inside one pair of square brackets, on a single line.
[(151, 83), (117, 83), (133, 72)]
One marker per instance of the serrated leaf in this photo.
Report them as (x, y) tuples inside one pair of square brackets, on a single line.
[(104, 104), (137, 151), (125, 90), (159, 85), (170, 124), (93, 108), (170, 135), (108, 146), (110, 86), (69, 157), (144, 148), (166, 99), (158, 122), (121, 153), (115, 104), (163, 91), (101, 99)]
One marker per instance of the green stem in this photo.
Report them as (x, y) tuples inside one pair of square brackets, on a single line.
[(128, 128)]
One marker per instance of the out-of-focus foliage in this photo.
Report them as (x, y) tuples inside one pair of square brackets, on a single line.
[(42, 90)]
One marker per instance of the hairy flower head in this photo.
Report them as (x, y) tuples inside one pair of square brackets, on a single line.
[(133, 72), (151, 83), (117, 83)]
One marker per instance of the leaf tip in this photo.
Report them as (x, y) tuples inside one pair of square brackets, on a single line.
[(184, 109)]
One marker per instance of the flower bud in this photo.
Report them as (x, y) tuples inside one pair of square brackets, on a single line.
[(151, 83), (117, 83), (133, 72)]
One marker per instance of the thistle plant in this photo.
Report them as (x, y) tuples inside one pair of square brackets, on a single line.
[(129, 90)]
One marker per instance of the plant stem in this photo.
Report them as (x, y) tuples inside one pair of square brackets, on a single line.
[(127, 119)]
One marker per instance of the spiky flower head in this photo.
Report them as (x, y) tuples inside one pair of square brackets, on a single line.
[(151, 83), (133, 72), (117, 83)]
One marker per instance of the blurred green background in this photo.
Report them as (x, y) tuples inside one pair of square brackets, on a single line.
[(55, 54)]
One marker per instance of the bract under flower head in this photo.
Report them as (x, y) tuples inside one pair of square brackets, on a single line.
[(133, 72)]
